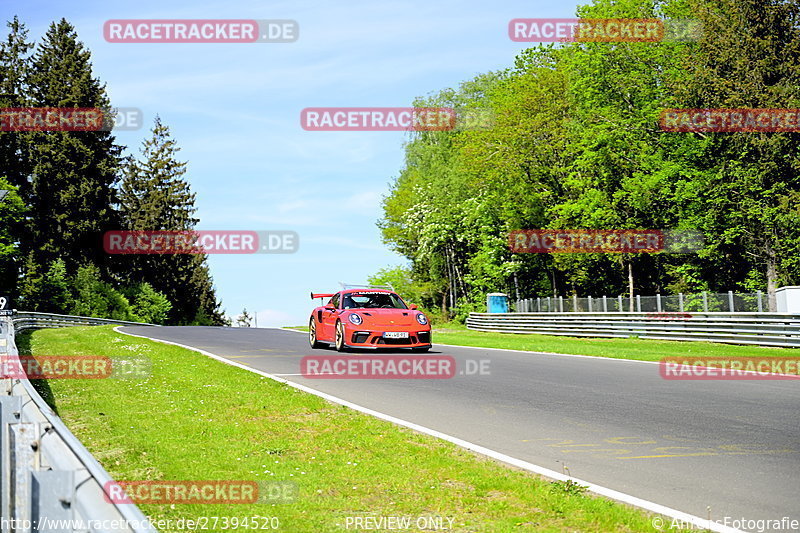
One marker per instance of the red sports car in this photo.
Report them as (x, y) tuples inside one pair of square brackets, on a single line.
[(368, 318)]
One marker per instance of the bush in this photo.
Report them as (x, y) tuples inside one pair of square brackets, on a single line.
[(48, 293), (97, 298), (465, 307), (148, 304)]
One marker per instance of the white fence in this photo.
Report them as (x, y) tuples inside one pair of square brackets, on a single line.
[(705, 302)]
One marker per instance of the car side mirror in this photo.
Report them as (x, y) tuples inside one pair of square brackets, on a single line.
[(330, 307), (413, 307)]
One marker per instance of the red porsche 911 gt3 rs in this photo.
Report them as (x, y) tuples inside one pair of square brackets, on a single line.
[(368, 318)]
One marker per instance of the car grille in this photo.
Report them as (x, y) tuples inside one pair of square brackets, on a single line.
[(359, 338)]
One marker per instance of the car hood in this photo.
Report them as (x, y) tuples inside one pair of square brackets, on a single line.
[(388, 317)]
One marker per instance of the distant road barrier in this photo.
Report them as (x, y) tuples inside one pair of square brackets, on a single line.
[(762, 329), (46, 474), (28, 320)]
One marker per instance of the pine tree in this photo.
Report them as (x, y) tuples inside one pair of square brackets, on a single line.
[(73, 173), (244, 320), (12, 218), (55, 290), (155, 196), (14, 64)]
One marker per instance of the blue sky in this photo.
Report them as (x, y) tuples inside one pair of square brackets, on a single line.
[(234, 110)]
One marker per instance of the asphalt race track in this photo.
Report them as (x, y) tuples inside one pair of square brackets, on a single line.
[(733, 446)]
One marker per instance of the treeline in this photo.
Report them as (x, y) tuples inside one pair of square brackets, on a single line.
[(576, 143), (69, 188)]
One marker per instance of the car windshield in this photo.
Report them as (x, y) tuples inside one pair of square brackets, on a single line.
[(373, 300)]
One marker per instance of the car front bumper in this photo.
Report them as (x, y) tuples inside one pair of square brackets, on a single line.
[(361, 338)]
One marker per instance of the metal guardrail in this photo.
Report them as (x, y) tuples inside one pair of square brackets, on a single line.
[(48, 480), (762, 329), (29, 320)]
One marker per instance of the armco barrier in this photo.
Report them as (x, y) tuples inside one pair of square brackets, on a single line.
[(27, 320), (46, 474), (763, 329)]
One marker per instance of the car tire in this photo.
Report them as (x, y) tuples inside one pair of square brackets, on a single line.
[(339, 341), (421, 350), (312, 334)]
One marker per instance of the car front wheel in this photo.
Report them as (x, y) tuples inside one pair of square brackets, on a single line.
[(340, 347), (312, 334)]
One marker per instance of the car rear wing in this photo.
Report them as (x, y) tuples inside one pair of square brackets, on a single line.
[(321, 295), (346, 286)]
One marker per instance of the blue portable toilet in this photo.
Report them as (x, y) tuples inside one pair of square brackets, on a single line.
[(496, 302)]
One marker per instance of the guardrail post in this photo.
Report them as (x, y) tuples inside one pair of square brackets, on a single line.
[(590, 304), (23, 436), (574, 303), (730, 301), (680, 301), (52, 495), (605, 304), (538, 305), (658, 302), (638, 303), (549, 305), (705, 302), (10, 409), (760, 305), (620, 302), (561, 304)]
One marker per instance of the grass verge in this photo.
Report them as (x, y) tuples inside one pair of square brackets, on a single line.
[(195, 418), (632, 348)]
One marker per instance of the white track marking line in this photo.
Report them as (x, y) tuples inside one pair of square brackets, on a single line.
[(685, 518)]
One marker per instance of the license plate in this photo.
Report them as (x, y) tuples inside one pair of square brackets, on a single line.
[(396, 335)]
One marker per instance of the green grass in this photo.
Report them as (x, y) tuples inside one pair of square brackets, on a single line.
[(196, 418), (640, 349)]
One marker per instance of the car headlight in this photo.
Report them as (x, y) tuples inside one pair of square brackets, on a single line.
[(422, 319), (355, 319)]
